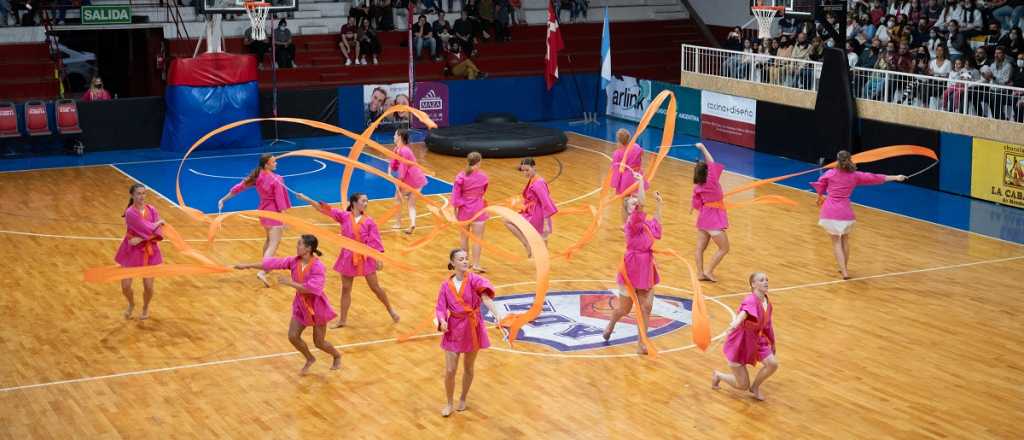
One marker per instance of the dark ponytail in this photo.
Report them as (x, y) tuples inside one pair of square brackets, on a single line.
[(845, 162), (352, 199), (311, 242), (700, 172), (264, 159), (451, 257), (403, 134), (131, 192)]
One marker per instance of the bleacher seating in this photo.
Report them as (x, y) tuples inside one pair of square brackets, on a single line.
[(28, 72)]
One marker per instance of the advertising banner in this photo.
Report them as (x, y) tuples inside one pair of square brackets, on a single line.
[(432, 99), (628, 98), (687, 106), (728, 118), (997, 172)]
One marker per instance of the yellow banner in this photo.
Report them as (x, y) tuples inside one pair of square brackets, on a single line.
[(997, 172)]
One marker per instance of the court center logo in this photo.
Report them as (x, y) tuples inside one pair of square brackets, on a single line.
[(575, 320)]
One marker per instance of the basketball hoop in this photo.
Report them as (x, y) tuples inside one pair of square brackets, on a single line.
[(766, 17), (257, 12)]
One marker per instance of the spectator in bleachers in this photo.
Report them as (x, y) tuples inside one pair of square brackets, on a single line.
[(1013, 42), (442, 30), (904, 58), (899, 7), (518, 17), (96, 91), (877, 12), (867, 29), (981, 56), (903, 27), (369, 44), (734, 41), (256, 47), (284, 45), (852, 27), (1009, 12), (869, 55), (423, 35), (980, 96), (381, 16), (5, 11), (501, 20), (463, 31), (971, 24), (1002, 67), (993, 35), (852, 48), (359, 11), (956, 42), (882, 33), (919, 36), (935, 39), (349, 45), (962, 71), (485, 14), (736, 65), (459, 65), (950, 11)]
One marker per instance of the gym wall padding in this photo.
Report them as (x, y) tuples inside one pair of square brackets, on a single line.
[(317, 104), (207, 92), (955, 168), (121, 124)]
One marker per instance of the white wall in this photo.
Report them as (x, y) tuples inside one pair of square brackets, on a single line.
[(723, 12)]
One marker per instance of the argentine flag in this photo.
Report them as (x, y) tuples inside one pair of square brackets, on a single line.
[(606, 53)]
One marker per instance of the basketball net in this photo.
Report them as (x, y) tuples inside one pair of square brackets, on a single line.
[(766, 17), (257, 12)]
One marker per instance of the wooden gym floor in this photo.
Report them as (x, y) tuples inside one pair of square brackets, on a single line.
[(923, 341)]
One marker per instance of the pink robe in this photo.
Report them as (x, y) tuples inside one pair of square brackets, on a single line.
[(273, 195), (308, 308), (641, 232), (710, 218), (412, 175), (349, 263), (142, 226), (754, 339), (468, 195), (840, 185), (622, 180), (538, 206), (462, 323)]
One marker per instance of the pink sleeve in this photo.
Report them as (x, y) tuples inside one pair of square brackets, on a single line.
[(636, 159), (441, 309), (655, 226), (239, 187), (544, 198), (821, 186), (278, 263), (281, 194), (457, 190), (139, 225), (314, 282), (869, 178), (373, 235), (715, 171), (334, 213), (696, 201), (393, 166), (482, 286), (635, 222)]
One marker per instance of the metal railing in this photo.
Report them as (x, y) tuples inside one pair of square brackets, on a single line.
[(921, 91)]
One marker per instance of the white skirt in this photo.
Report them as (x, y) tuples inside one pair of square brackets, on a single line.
[(836, 227)]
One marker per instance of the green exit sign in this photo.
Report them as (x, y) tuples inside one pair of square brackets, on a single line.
[(107, 14)]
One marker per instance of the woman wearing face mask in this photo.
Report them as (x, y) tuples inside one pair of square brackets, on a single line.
[(1013, 42), (96, 91), (883, 33)]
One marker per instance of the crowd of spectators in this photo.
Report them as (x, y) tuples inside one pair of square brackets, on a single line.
[(945, 42)]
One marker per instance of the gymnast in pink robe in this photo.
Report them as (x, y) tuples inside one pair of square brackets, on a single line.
[(273, 197), (751, 340), (538, 207), (310, 307), (458, 316), (140, 246), (712, 221), (359, 226), (411, 175), (836, 215), (637, 269), (468, 199), (633, 155)]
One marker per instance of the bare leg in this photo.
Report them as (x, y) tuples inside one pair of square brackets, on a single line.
[(624, 212), (295, 337), (467, 378), (646, 298), (519, 235), (412, 212), (451, 365), (274, 234), (398, 217), (703, 238), (739, 378), (346, 302), (623, 304), (770, 367), (382, 296), (474, 255), (722, 241), (126, 290), (846, 250), (147, 295), (319, 333), (837, 249)]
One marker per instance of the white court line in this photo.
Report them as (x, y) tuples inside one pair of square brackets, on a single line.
[(808, 192), (162, 196), (379, 341)]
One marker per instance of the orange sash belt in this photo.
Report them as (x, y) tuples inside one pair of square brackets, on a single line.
[(472, 313)]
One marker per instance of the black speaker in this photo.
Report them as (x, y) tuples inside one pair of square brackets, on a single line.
[(835, 111)]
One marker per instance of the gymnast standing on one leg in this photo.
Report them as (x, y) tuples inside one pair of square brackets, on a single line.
[(310, 306), (836, 215), (638, 268), (359, 226), (412, 175), (458, 316), (273, 197), (712, 221), (538, 207), (751, 340), (140, 246), (468, 199), (633, 155)]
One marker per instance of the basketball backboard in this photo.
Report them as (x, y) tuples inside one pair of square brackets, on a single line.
[(799, 8), (238, 6)]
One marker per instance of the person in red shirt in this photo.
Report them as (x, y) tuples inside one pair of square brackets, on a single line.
[(96, 92), (348, 44)]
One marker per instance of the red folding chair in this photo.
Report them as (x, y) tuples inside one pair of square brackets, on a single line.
[(8, 121), (67, 117), (37, 123)]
